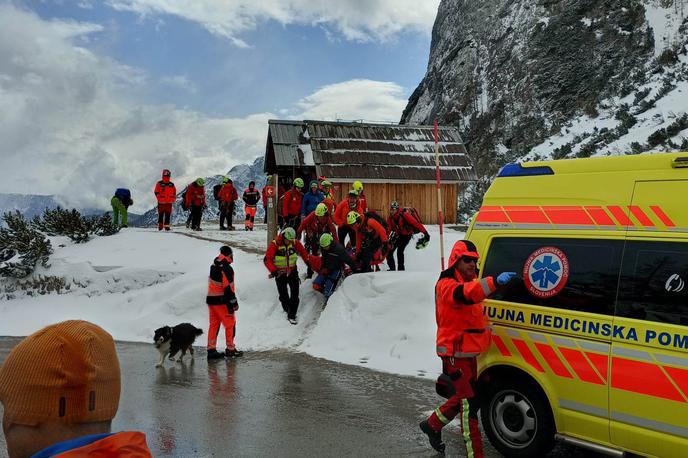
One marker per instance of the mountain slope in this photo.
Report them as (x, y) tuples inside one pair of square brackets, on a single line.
[(554, 79)]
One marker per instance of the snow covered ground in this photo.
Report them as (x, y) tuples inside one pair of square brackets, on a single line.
[(140, 279)]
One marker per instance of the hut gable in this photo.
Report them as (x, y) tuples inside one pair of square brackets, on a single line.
[(369, 152)]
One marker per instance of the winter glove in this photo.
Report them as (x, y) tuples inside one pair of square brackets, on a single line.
[(423, 242), (505, 277)]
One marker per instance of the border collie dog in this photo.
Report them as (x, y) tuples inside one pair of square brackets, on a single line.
[(169, 341)]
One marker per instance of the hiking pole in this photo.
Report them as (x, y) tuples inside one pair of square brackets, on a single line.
[(439, 192)]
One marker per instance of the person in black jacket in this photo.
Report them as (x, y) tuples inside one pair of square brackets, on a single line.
[(334, 259), (251, 198), (222, 303)]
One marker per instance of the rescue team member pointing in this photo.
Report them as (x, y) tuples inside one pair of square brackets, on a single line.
[(462, 334)]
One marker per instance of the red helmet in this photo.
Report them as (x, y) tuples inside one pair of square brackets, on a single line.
[(166, 173), (462, 248)]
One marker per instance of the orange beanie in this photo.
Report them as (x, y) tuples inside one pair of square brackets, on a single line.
[(67, 372)]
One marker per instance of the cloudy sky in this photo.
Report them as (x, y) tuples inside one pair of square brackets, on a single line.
[(99, 94)]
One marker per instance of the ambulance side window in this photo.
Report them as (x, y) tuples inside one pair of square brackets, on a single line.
[(589, 284), (654, 282)]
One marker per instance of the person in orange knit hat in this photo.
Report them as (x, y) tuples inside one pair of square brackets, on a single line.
[(60, 390)]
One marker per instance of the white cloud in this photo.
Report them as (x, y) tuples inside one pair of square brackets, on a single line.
[(180, 82), (354, 99), (72, 127), (357, 20)]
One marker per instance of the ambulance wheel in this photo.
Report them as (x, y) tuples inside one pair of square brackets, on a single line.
[(517, 418)]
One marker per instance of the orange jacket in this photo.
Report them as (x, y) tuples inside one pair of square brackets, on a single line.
[(370, 228), (462, 328), (228, 193), (165, 191), (343, 210), (221, 290), (130, 444)]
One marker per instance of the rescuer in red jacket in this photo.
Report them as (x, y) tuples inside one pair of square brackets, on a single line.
[(195, 200), (317, 223), (166, 193), (462, 334), (350, 204), (371, 238), (403, 224), (227, 196), (291, 204), (280, 260)]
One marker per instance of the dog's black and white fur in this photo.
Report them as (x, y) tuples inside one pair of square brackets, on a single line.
[(170, 340)]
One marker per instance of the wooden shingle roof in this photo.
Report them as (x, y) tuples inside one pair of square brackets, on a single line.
[(370, 152)]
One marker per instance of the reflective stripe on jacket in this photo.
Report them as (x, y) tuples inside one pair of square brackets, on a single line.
[(282, 256), (221, 290), (462, 328)]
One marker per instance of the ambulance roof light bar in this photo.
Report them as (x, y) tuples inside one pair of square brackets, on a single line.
[(517, 170)]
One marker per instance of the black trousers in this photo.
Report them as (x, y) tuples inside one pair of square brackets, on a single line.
[(365, 257), (287, 284), (196, 214), (312, 246), (226, 213), (345, 230), (399, 246)]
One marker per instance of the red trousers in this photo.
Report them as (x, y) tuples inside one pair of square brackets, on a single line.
[(219, 314), (464, 403), (250, 216)]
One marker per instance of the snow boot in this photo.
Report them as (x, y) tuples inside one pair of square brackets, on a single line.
[(214, 354), (292, 320), (223, 228), (435, 437), (233, 353)]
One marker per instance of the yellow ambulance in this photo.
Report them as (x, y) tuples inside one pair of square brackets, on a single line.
[(591, 342)]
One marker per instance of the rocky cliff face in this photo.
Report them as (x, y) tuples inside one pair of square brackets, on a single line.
[(563, 78)]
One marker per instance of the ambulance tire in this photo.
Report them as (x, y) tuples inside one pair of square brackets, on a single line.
[(517, 418)]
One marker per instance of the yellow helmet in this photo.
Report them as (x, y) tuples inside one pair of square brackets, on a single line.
[(321, 209), (358, 186), (352, 218)]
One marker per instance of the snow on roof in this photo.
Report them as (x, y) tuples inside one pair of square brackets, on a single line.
[(378, 151)]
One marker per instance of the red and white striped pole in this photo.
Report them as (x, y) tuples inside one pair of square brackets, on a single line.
[(439, 191)]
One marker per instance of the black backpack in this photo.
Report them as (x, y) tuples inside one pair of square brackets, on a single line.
[(216, 191), (183, 196), (372, 214)]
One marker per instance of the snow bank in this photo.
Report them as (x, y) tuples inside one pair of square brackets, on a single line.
[(140, 279)]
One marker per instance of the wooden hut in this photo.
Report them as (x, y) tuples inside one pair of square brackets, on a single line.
[(394, 162)]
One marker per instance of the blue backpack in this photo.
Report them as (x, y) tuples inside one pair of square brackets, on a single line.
[(123, 193)]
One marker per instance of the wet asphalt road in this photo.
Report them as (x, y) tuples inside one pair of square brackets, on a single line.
[(273, 404)]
